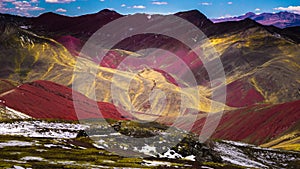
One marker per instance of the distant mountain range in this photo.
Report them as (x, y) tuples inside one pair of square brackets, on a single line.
[(280, 20)]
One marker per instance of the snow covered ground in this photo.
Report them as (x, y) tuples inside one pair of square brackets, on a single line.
[(14, 143), (41, 129), (248, 155), (8, 113)]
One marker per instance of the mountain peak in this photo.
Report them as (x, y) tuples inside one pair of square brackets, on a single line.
[(249, 14), (195, 17), (194, 13), (286, 12), (281, 19), (107, 12), (50, 15)]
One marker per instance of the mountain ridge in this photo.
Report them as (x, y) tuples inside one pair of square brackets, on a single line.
[(241, 41), (280, 19)]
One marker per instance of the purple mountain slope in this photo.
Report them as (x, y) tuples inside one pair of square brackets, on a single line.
[(280, 20)]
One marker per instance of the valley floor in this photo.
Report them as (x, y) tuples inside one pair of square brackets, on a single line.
[(53, 144)]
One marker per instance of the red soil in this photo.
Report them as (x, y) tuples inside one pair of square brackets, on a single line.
[(241, 94), (48, 100), (178, 66), (256, 124), (73, 44), (167, 76)]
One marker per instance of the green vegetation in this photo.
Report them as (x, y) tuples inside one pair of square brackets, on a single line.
[(68, 154), (61, 155)]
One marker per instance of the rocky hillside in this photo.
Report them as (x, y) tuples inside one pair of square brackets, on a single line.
[(59, 144)]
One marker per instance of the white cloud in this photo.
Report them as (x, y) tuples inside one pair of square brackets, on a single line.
[(139, 7), (8, 0), (257, 9), (294, 9), (21, 4), (225, 16), (59, 1), (229, 3), (206, 3), (102, 0), (159, 3), (26, 6), (123, 5), (61, 10), (78, 7), (34, 1), (19, 7)]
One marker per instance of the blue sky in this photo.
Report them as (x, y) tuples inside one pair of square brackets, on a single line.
[(211, 8)]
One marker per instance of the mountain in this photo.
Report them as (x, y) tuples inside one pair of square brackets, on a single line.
[(47, 100), (197, 18), (33, 57), (252, 61), (280, 20), (259, 65), (6, 85), (43, 56), (257, 124), (288, 141), (71, 43), (250, 53), (84, 26), (238, 18)]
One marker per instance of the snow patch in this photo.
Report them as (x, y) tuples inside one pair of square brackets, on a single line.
[(156, 163), (190, 157), (236, 156), (18, 167), (206, 167), (14, 143), (9, 113), (41, 129), (170, 154), (25, 26), (32, 158), (148, 150), (238, 143)]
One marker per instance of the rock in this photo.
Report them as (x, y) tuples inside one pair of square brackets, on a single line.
[(82, 133)]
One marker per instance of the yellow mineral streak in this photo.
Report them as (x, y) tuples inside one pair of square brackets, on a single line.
[(290, 141)]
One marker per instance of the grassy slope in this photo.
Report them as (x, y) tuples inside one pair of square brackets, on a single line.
[(80, 152)]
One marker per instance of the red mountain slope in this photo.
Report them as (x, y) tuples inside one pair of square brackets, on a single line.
[(242, 94), (71, 43), (44, 99), (256, 124)]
